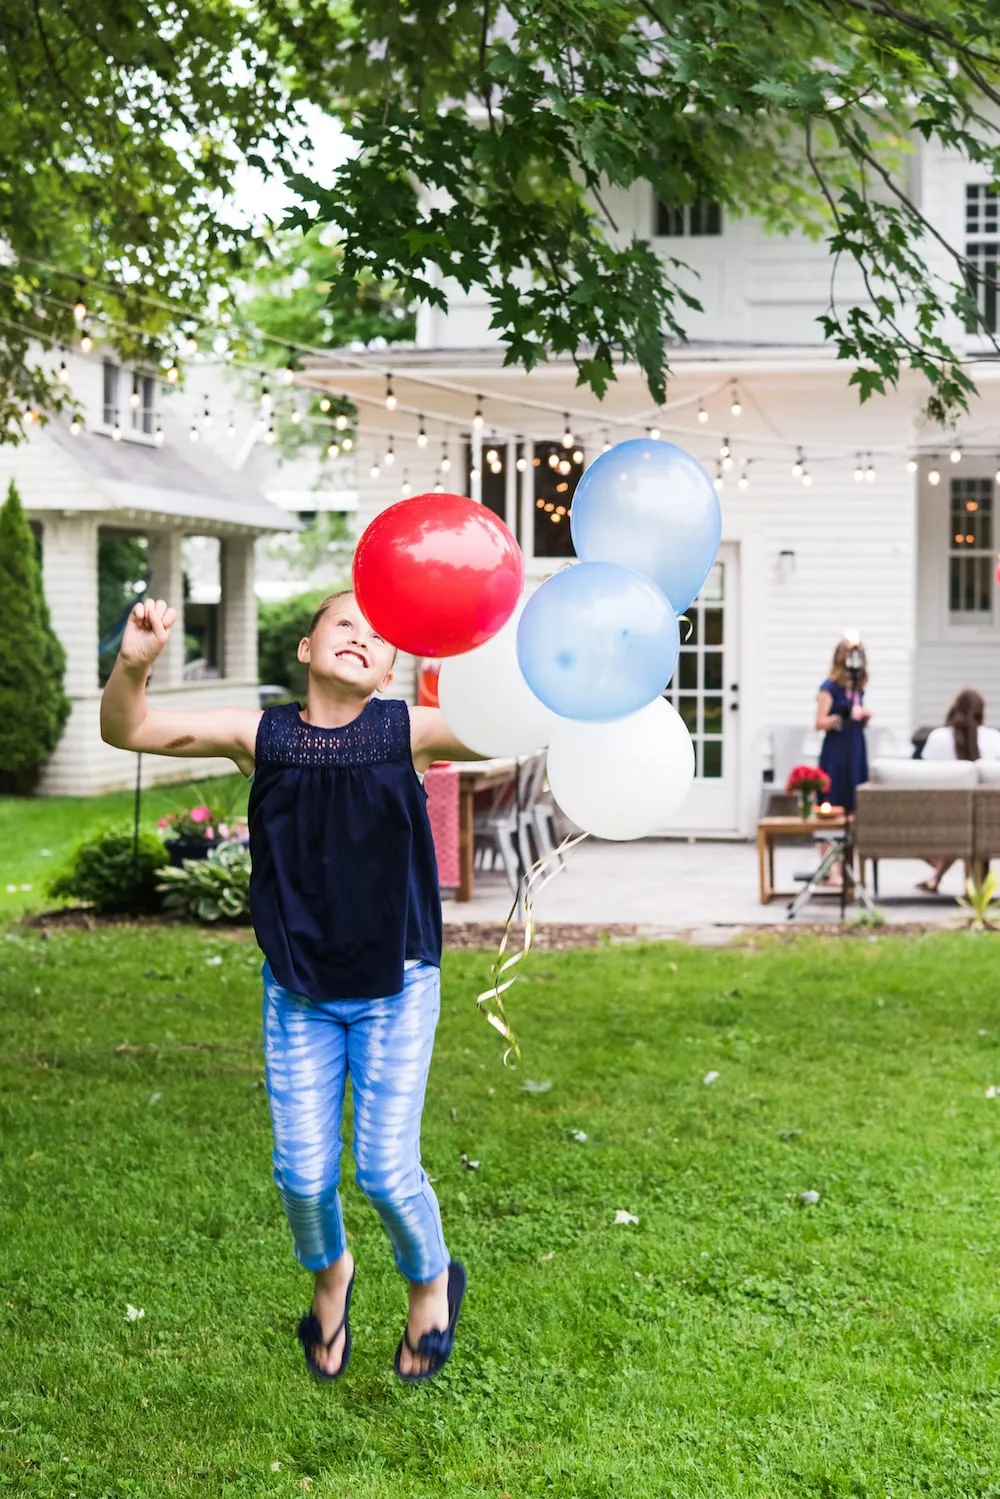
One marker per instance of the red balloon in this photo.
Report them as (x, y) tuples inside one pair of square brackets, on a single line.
[(437, 574)]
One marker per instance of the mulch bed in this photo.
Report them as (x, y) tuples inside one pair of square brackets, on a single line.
[(549, 936)]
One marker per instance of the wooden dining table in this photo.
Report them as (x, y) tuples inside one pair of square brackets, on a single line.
[(480, 775)]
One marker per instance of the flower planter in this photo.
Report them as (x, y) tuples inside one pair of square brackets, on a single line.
[(179, 849)]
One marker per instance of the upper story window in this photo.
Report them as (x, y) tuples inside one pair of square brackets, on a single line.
[(970, 548), (702, 217), (982, 243), (129, 400)]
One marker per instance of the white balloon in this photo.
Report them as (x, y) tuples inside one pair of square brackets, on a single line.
[(624, 779), (486, 701)]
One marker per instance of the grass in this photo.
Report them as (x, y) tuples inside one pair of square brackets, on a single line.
[(733, 1342), (36, 835)]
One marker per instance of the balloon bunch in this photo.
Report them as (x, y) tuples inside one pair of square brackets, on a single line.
[(581, 665)]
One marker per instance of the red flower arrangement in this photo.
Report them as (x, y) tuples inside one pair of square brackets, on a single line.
[(807, 782), (807, 778)]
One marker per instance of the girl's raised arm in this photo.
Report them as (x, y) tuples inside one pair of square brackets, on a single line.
[(128, 722)]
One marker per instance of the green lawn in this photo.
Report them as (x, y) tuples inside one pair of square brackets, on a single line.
[(733, 1342), (37, 834)]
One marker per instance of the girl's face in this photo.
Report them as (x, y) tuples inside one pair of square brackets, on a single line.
[(345, 649)]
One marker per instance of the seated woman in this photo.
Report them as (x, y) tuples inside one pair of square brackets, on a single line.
[(962, 736)]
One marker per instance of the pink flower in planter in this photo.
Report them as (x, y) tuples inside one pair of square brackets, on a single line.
[(223, 830), (200, 814), (162, 823), (209, 834)]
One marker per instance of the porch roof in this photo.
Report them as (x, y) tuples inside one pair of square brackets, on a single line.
[(139, 480)]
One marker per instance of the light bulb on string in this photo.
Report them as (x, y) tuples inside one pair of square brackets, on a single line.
[(521, 464), (406, 488), (333, 450), (324, 404), (496, 468), (206, 416), (553, 460), (266, 399), (422, 434), (654, 434), (193, 433), (288, 373), (86, 339), (727, 462), (492, 456), (31, 416), (63, 371), (374, 470), (270, 436), (719, 481), (859, 473), (342, 422), (134, 401), (736, 407), (191, 344), (798, 467), (475, 473), (911, 465), (116, 433), (743, 482), (567, 437), (702, 415), (439, 487), (347, 442), (158, 437), (390, 454), (955, 456), (870, 474), (934, 473), (173, 374), (231, 425), (445, 464), (807, 478), (477, 419), (606, 446), (76, 427), (80, 307), (390, 394), (577, 455), (724, 450), (296, 416)]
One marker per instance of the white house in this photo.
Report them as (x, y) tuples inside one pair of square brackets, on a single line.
[(836, 515), (132, 470)]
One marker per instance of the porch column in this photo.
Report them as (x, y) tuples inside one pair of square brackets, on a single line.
[(166, 581), (239, 609), (69, 578)]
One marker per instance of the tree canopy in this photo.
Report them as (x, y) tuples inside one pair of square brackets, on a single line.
[(486, 138)]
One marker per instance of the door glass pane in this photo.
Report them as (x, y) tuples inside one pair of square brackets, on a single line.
[(713, 671), (687, 671), (687, 707), (712, 715), (713, 626), (712, 759)]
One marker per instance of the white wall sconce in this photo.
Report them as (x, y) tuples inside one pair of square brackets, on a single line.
[(786, 564)]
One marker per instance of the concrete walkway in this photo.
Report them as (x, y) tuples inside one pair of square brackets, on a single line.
[(670, 886)]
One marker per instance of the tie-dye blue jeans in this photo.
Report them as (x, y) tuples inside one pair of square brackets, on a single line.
[(385, 1045)]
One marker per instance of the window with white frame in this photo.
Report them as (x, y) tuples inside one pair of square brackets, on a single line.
[(139, 403), (970, 549), (982, 243), (702, 217)]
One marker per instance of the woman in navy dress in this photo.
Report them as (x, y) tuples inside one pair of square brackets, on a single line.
[(842, 715)]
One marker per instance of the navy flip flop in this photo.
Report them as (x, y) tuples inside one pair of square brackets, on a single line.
[(436, 1345), (310, 1335)]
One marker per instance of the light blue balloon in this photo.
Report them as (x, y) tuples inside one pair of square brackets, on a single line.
[(597, 642), (651, 506)]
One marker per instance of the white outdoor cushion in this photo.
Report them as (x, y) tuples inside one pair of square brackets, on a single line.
[(915, 775), (988, 772)]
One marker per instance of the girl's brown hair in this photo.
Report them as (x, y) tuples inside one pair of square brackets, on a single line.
[(965, 719), (328, 603), (839, 672)]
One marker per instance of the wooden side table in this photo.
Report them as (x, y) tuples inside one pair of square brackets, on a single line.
[(770, 829)]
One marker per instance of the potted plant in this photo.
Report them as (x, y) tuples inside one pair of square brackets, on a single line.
[(190, 834), (807, 782)]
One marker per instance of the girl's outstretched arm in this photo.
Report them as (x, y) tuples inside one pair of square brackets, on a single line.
[(128, 722), (431, 739)]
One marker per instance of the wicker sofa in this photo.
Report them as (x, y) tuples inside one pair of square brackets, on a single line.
[(920, 809)]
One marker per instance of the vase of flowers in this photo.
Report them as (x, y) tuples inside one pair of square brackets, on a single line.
[(807, 782), (190, 835)]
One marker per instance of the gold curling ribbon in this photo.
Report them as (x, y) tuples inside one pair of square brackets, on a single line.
[(683, 619), (491, 1000)]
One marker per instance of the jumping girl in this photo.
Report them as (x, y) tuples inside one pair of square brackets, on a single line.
[(345, 905)]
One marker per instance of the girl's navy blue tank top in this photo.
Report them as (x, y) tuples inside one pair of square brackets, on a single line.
[(344, 888)]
